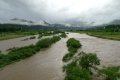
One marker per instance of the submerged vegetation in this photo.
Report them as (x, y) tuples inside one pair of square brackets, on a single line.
[(17, 54), (111, 73), (73, 46), (84, 66), (63, 35)]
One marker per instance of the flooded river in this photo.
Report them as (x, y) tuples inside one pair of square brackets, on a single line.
[(107, 50), (18, 42), (47, 64)]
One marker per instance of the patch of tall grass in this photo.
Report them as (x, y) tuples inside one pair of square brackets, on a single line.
[(17, 54)]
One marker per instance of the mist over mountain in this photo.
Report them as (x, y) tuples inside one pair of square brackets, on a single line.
[(78, 13)]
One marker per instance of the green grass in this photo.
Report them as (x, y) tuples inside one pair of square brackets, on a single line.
[(103, 34), (10, 36), (17, 54), (106, 35)]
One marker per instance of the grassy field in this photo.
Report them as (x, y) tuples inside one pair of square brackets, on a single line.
[(106, 35), (11, 35), (103, 34)]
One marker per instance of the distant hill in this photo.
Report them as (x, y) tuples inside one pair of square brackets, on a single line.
[(115, 22)]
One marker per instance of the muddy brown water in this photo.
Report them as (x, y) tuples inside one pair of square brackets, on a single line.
[(47, 64), (17, 42), (107, 50)]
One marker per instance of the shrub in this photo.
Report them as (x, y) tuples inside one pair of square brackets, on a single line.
[(40, 36), (88, 60), (44, 43), (73, 46), (112, 73), (75, 72), (73, 50), (63, 35), (68, 57), (55, 39), (73, 43)]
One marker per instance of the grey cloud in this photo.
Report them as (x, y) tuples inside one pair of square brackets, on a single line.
[(27, 9)]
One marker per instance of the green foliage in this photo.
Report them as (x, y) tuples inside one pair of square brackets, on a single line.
[(68, 56), (73, 50), (63, 35), (17, 54), (73, 43), (73, 46), (55, 39), (75, 72), (112, 73), (40, 36), (88, 60), (44, 43)]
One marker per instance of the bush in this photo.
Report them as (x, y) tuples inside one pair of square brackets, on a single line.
[(73, 46), (73, 43), (44, 43), (75, 72), (88, 60), (55, 39), (73, 50), (63, 35), (40, 36), (68, 56), (112, 73)]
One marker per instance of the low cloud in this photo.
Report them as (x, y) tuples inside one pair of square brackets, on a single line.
[(62, 11)]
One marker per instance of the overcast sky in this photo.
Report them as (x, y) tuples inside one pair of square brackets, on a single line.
[(61, 11)]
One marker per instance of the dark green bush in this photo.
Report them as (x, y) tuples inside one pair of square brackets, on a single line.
[(40, 36), (73, 46), (63, 35), (75, 72), (73, 43), (73, 50), (68, 56), (111, 73), (44, 43), (55, 39), (87, 60)]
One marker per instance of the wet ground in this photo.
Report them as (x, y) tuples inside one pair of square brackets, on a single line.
[(47, 64)]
